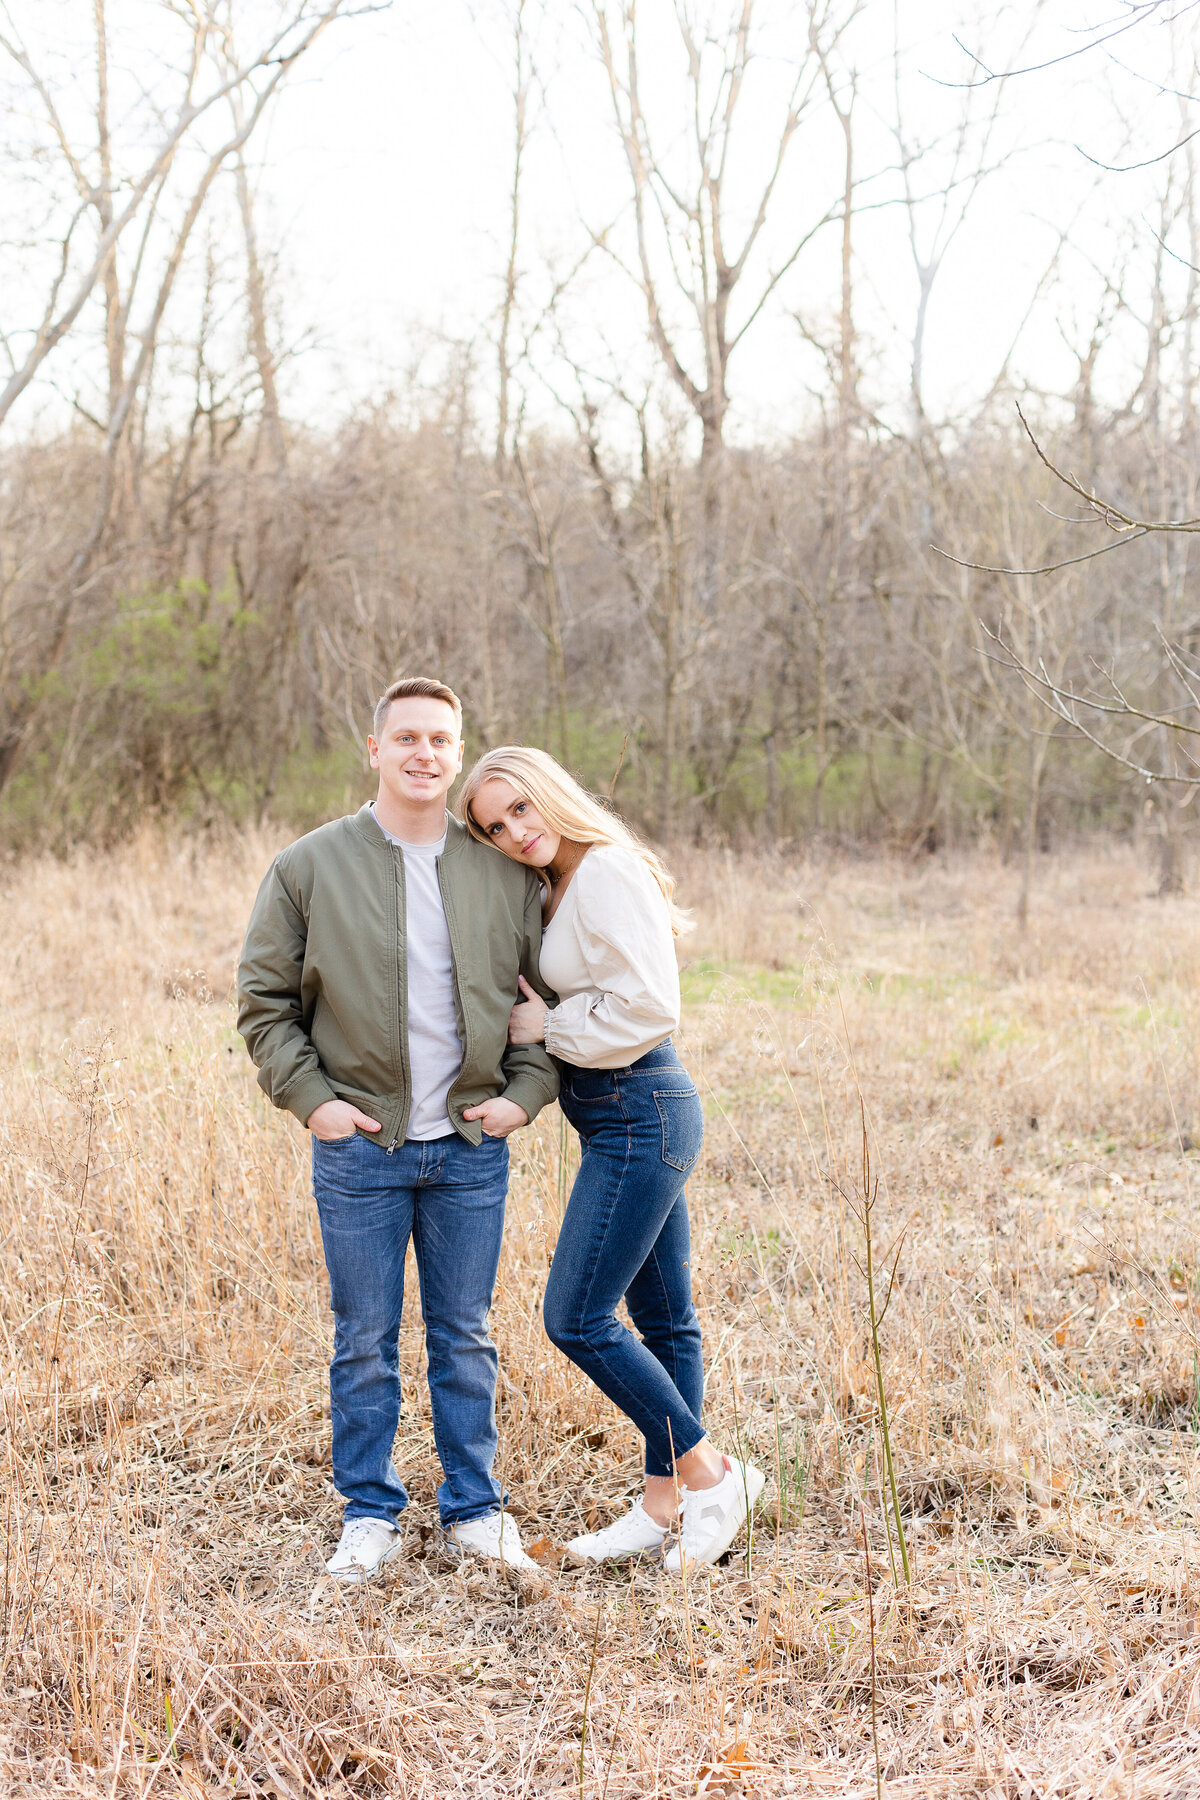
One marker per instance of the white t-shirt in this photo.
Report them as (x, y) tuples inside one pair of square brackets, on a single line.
[(609, 954), (434, 1046)]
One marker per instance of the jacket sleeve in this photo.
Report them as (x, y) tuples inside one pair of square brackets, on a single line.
[(623, 932), (270, 1009), (530, 1077)]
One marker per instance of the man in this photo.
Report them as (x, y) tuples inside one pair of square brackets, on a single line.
[(380, 965)]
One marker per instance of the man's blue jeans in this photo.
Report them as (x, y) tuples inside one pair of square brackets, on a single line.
[(448, 1196), (625, 1233)]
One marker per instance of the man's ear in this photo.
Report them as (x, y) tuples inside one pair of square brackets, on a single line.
[(373, 750)]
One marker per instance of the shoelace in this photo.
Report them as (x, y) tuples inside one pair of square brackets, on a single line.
[(356, 1534), (492, 1528), (694, 1518), (626, 1522)]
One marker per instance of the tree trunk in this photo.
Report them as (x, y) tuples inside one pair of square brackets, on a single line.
[(771, 814), (1037, 748), (821, 725), (256, 302)]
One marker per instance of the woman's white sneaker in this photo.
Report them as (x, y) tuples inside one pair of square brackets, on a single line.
[(495, 1537), (366, 1544), (631, 1535), (710, 1518)]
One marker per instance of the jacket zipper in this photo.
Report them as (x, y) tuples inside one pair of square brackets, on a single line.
[(401, 938), (458, 1000)]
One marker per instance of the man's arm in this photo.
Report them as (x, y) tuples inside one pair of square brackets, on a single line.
[(530, 1077), (270, 1012)]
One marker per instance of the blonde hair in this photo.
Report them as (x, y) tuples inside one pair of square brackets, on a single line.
[(566, 807)]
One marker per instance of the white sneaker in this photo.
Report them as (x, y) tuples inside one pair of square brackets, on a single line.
[(710, 1518), (366, 1544), (625, 1537), (495, 1537)]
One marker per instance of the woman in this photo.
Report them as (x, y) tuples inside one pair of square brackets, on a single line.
[(608, 952)]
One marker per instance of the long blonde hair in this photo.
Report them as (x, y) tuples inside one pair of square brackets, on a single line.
[(566, 807)]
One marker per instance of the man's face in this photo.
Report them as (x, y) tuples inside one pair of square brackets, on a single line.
[(419, 752)]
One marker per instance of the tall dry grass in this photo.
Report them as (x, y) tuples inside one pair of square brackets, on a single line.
[(1029, 1108)]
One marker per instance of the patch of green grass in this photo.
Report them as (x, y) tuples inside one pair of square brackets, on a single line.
[(709, 980), (792, 1467), (986, 1032), (1145, 1018), (896, 984)]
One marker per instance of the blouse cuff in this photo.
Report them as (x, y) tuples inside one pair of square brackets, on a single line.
[(566, 1021), (549, 1038)]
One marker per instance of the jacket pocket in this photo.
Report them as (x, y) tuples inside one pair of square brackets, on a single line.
[(682, 1121)]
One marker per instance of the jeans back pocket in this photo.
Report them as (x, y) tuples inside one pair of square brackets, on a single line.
[(682, 1120)]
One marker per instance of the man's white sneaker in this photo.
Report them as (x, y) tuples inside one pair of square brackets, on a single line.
[(366, 1544), (494, 1537), (628, 1536), (710, 1518)]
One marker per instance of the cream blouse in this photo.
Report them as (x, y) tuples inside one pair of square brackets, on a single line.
[(609, 954)]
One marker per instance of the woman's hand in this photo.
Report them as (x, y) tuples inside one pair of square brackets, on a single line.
[(527, 1020)]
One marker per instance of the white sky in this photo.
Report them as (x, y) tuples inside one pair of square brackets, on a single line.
[(383, 184)]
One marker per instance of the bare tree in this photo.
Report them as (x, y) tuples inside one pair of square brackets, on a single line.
[(259, 73), (257, 327), (941, 176), (1134, 700), (157, 200), (685, 259), (522, 79)]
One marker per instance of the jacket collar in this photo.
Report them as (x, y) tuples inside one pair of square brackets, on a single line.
[(364, 820)]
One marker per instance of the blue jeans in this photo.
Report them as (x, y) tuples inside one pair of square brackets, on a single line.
[(625, 1233), (448, 1196)]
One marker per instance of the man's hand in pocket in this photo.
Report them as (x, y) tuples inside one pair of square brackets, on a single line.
[(338, 1119), (498, 1117)]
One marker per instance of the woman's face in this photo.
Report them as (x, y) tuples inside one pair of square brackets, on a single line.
[(514, 824)]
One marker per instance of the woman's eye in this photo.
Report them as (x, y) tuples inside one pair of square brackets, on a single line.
[(519, 808)]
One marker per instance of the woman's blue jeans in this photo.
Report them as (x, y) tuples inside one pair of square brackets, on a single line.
[(448, 1196), (625, 1234)]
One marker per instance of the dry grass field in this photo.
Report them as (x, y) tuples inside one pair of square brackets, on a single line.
[(165, 1626)]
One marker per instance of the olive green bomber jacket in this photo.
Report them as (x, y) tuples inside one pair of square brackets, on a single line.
[(322, 985)]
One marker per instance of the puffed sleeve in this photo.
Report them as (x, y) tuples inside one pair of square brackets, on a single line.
[(623, 932)]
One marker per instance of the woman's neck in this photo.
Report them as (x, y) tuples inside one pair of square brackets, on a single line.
[(565, 861)]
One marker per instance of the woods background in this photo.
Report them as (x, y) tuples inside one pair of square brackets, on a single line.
[(757, 633), (675, 484)]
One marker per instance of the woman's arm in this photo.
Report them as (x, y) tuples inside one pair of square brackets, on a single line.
[(530, 1078), (623, 933)]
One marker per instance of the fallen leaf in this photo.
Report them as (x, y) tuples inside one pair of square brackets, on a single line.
[(545, 1551), (727, 1773), (738, 1756)]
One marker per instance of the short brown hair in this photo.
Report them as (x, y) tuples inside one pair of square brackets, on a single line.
[(416, 687)]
